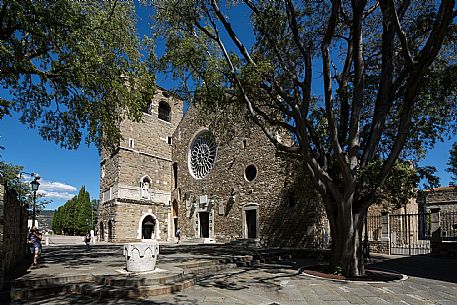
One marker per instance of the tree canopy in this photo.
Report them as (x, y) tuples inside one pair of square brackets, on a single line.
[(452, 163), (71, 66), (14, 178), (75, 216), (360, 86)]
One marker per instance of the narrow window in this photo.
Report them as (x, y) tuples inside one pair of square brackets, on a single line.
[(175, 174), (244, 143), (164, 111), (103, 171), (131, 143), (169, 140), (291, 199)]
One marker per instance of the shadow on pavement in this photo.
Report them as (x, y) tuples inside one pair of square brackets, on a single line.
[(423, 266)]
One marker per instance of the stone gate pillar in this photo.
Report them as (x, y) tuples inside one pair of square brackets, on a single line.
[(385, 233), (435, 226), (435, 229)]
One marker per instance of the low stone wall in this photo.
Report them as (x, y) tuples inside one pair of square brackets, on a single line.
[(444, 249), (13, 231), (381, 247)]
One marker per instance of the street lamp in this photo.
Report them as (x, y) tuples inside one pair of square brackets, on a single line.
[(35, 185)]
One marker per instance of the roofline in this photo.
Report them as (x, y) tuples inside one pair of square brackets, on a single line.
[(169, 92), (442, 188)]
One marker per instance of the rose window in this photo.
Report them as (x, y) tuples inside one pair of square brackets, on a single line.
[(202, 155)]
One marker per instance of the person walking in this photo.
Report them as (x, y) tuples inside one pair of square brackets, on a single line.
[(178, 235), (34, 241), (87, 240)]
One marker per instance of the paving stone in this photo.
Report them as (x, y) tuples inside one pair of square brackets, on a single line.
[(266, 284)]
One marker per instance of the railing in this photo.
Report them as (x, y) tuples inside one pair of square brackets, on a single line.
[(448, 223), (374, 226)]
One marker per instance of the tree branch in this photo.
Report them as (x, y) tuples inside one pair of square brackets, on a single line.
[(359, 82), (231, 33), (383, 99), (400, 33)]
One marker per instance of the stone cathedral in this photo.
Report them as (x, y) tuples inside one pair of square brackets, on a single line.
[(169, 171)]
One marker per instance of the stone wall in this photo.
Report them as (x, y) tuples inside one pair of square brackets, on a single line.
[(377, 246), (126, 218), (13, 231), (136, 177), (283, 217), (444, 198)]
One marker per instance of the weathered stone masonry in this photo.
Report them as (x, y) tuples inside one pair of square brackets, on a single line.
[(13, 231), (248, 193), (136, 177), (232, 198)]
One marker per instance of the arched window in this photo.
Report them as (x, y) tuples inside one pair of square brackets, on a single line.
[(147, 227), (164, 111), (145, 184)]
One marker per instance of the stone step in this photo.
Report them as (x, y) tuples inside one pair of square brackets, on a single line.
[(50, 281), (106, 292), (135, 281), (21, 293), (116, 286), (203, 271), (243, 243)]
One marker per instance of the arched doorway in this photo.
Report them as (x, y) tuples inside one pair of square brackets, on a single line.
[(147, 227), (101, 233), (110, 230), (175, 215)]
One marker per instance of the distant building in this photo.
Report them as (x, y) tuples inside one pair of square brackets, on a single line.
[(444, 198)]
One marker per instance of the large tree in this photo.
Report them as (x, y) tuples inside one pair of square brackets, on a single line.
[(359, 85), (452, 163), (75, 216), (66, 65)]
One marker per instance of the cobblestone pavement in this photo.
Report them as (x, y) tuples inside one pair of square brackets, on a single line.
[(276, 284), (430, 281)]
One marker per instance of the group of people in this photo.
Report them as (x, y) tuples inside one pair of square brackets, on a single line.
[(35, 237)]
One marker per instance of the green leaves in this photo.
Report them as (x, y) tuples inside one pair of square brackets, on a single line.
[(452, 163), (74, 68), (75, 216)]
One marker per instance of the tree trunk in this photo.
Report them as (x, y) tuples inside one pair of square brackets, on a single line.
[(346, 232)]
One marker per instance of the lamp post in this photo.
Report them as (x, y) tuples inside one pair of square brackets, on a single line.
[(35, 185)]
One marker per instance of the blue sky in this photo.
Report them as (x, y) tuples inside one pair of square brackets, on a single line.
[(63, 171)]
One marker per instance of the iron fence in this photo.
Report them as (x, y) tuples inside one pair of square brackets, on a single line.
[(448, 223), (374, 227), (410, 234)]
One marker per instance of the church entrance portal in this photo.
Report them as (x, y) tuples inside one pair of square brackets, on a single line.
[(110, 230), (101, 233), (204, 224), (251, 223), (147, 227), (175, 216)]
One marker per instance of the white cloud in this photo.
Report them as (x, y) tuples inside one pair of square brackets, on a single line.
[(56, 186), (56, 195), (56, 190)]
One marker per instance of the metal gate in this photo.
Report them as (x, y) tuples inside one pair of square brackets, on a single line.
[(410, 234)]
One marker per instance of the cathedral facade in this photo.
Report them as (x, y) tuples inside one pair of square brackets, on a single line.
[(173, 171)]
